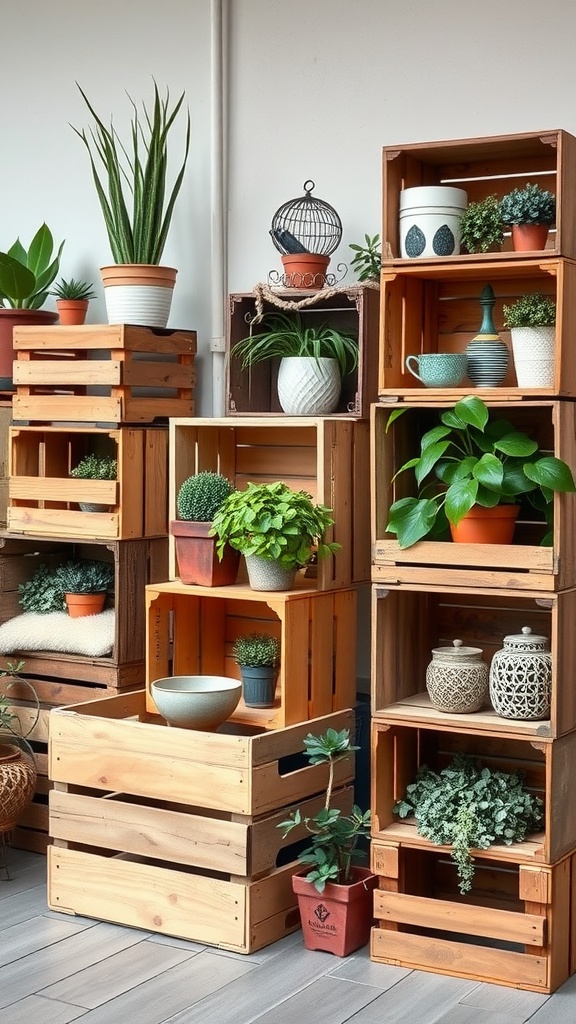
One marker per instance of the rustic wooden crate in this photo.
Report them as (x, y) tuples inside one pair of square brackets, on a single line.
[(408, 622), (5, 421), (43, 497), (192, 629), (398, 750), (514, 928), (436, 308), (487, 166), (140, 373), (327, 457), (524, 565), (254, 391)]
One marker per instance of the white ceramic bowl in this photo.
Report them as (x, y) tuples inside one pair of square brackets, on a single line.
[(196, 702)]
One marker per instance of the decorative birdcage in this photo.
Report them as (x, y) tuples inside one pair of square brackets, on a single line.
[(306, 225)]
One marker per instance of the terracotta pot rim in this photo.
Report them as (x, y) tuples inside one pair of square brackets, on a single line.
[(503, 511)]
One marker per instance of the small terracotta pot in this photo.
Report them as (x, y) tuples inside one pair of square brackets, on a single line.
[(305, 270), (84, 604), (72, 311), (339, 919), (486, 525), (9, 319), (529, 237), (198, 563)]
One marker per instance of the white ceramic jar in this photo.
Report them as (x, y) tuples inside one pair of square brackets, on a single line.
[(521, 677), (430, 221)]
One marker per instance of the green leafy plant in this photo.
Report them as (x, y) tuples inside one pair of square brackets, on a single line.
[(469, 459), (256, 649), (85, 576), (534, 310), (96, 467), (73, 289), (367, 261), (481, 226), (9, 718), (132, 185), (529, 205), (26, 274), (273, 521), (283, 335), (42, 592), (200, 496), (470, 807), (335, 837)]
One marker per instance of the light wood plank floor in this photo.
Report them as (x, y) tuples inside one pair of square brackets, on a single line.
[(55, 968)]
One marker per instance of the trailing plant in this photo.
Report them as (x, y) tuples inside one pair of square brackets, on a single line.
[(534, 310), (335, 837), (529, 205), (8, 718), (200, 496), (273, 521), (469, 459), (26, 274), (283, 335), (481, 226), (73, 289), (367, 261), (256, 649), (96, 467), (42, 592), (85, 576), (131, 185), (470, 807)]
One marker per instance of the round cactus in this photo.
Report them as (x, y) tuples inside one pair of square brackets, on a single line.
[(200, 496)]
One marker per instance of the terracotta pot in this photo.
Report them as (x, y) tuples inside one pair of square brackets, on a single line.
[(72, 312), (10, 318), (17, 779), (84, 604), (486, 525), (198, 562), (529, 237), (339, 919), (305, 270), (138, 293)]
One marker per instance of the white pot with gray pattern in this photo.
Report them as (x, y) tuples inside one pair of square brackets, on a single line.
[(430, 218)]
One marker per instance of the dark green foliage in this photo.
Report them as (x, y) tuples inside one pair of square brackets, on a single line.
[(534, 310), (96, 467), (481, 226), (200, 496), (367, 261), (256, 649), (86, 576), (528, 205), (26, 275), (42, 592)]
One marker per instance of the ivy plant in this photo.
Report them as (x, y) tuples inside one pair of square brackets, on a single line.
[(468, 807)]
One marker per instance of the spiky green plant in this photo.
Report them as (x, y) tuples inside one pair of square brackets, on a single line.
[(26, 274), (281, 335), (200, 496), (73, 289), (256, 649), (132, 189)]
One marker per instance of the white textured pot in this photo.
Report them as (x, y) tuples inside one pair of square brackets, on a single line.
[(138, 293), (430, 218), (308, 386), (533, 349), (268, 574)]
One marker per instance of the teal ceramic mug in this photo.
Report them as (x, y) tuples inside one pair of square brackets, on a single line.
[(438, 369)]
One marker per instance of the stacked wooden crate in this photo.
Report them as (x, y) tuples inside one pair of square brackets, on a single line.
[(428, 594), (107, 390)]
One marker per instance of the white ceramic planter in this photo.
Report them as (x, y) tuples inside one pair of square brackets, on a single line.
[(138, 293), (308, 386), (533, 349), (430, 221)]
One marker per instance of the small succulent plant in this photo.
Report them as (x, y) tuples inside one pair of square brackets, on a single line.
[(528, 205), (256, 649), (200, 496), (73, 289)]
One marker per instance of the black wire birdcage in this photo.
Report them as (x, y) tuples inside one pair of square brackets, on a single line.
[(306, 224)]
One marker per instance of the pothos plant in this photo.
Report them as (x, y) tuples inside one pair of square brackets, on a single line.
[(467, 806)]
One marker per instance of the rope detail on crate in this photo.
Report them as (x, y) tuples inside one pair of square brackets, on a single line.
[(264, 293)]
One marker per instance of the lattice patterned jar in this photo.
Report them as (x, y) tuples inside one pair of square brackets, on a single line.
[(521, 677), (457, 679)]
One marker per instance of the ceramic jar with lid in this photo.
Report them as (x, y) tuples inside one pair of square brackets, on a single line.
[(521, 677), (457, 679)]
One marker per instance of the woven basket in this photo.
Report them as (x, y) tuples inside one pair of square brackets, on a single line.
[(17, 780)]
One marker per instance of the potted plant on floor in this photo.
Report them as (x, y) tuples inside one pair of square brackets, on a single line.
[(25, 279), (313, 360), (531, 321), (137, 206), (278, 531), (258, 658), (471, 473), (95, 467), (529, 211), (334, 896), (72, 300), (199, 498), (481, 226), (84, 584), (17, 762)]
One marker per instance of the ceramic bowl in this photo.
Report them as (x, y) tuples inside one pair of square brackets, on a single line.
[(196, 702)]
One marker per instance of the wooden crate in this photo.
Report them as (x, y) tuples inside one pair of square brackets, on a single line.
[(514, 928), (327, 457), (103, 373), (408, 622), (174, 830), (192, 629), (5, 421), (524, 565), (398, 750), (436, 308), (487, 166), (254, 391), (43, 497)]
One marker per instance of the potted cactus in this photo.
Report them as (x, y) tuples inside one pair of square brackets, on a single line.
[(258, 658), (199, 499)]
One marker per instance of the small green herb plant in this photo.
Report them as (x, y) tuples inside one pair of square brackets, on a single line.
[(481, 226), (273, 521), (528, 205), (280, 335), (256, 650), (96, 467), (85, 576), (200, 496), (335, 837), (534, 310), (468, 807), (73, 289), (367, 260), (26, 274)]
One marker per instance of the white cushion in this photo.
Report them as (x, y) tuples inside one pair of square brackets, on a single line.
[(92, 635)]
